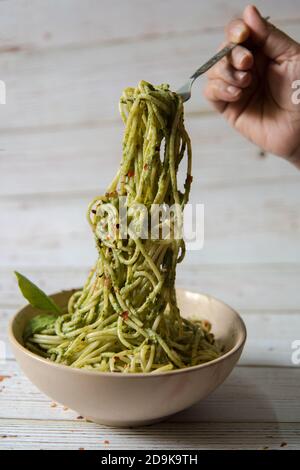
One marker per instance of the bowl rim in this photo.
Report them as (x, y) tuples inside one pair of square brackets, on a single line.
[(239, 344)]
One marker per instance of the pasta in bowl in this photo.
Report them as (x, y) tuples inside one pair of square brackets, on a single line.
[(135, 399), (126, 318), (127, 349)]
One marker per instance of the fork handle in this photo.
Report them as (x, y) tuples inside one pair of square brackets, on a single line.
[(211, 62)]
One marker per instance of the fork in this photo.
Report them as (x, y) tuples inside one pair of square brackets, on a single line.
[(186, 90)]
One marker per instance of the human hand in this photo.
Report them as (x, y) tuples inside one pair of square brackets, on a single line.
[(252, 87)]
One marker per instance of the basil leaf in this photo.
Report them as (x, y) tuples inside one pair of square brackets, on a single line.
[(39, 323), (35, 296)]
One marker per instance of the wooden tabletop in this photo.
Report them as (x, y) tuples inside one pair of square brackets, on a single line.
[(65, 64)]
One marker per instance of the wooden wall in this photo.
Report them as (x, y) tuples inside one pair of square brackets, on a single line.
[(65, 64)]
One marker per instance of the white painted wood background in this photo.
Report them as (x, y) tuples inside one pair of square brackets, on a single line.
[(65, 64)]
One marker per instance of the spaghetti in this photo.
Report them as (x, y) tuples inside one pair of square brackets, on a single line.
[(126, 317)]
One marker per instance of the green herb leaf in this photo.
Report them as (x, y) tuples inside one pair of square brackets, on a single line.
[(38, 324), (35, 296)]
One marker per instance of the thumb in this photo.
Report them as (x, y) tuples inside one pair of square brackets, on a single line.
[(275, 43)]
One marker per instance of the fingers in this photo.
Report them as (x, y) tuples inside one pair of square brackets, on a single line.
[(237, 31), (219, 90), (229, 77), (224, 71), (274, 43), (241, 58)]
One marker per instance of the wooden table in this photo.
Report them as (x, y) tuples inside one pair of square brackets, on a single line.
[(65, 65)]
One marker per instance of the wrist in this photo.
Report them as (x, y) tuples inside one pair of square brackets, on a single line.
[(294, 158)]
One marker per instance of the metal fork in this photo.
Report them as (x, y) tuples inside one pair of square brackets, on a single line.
[(186, 90)]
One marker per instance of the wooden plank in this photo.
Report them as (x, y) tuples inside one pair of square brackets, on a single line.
[(255, 223), (84, 160), (59, 125), (71, 87), (269, 342), (244, 287), (20, 434), (250, 394), (42, 25), (270, 337), (68, 87)]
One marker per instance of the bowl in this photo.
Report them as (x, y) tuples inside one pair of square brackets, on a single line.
[(135, 399)]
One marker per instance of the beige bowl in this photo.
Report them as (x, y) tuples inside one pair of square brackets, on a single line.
[(135, 399)]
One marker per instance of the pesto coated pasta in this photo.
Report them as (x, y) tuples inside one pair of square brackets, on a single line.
[(126, 318)]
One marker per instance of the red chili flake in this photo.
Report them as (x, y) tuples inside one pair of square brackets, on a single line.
[(3, 377), (112, 194), (189, 178), (130, 174), (146, 166), (106, 441), (79, 417), (206, 325), (125, 315), (11, 49)]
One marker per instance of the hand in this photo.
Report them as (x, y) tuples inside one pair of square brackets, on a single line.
[(252, 87)]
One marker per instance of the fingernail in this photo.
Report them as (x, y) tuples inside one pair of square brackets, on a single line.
[(238, 33), (240, 75), (234, 91), (256, 10), (241, 56)]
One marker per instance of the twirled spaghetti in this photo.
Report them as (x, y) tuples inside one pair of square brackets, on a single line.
[(126, 318)]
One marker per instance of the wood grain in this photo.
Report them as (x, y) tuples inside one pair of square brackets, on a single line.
[(252, 224), (84, 160), (31, 434), (60, 145), (36, 25), (250, 286), (82, 86), (250, 394)]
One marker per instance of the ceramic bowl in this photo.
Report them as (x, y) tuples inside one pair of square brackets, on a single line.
[(135, 399)]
